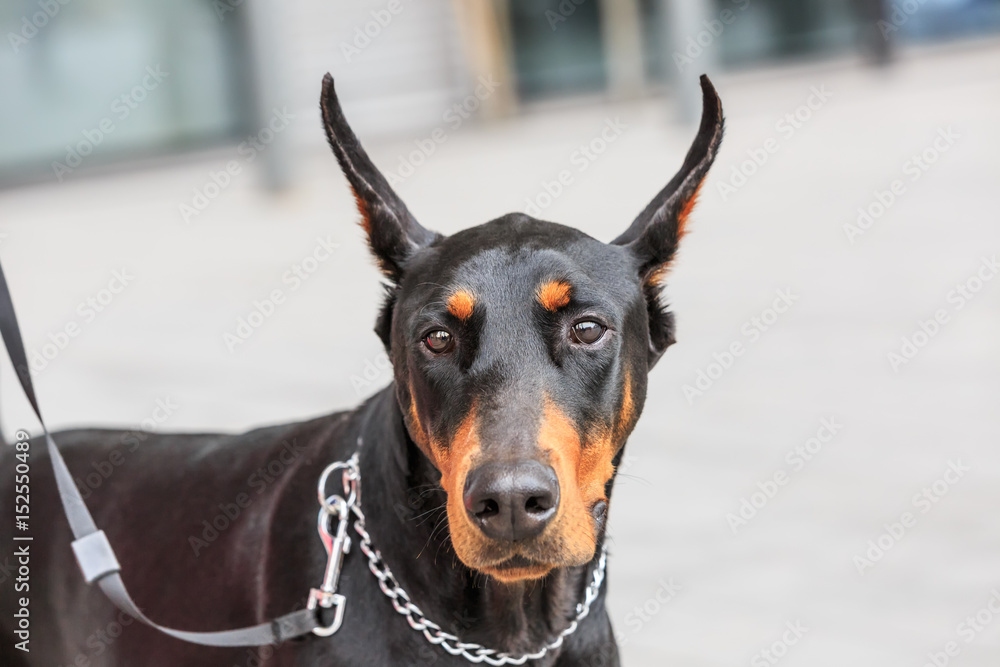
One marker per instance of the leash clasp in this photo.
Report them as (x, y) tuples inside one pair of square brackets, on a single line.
[(334, 600), (337, 544)]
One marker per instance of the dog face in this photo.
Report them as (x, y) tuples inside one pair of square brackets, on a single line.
[(520, 351)]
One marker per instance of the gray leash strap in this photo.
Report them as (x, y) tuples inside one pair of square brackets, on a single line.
[(93, 550)]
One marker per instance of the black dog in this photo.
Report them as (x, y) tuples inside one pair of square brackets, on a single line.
[(520, 351)]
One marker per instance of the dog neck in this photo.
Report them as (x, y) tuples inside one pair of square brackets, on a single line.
[(404, 506)]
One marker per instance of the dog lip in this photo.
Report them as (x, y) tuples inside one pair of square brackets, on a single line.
[(518, 568), (516, 562)]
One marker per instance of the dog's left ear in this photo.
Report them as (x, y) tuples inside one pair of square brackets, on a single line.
[(393, 233), (654, 235)]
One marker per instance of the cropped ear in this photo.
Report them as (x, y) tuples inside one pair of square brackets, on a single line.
[(393, 233), (655, 234)]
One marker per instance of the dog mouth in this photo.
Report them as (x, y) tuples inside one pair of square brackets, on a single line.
[(510, 562), (518, 567), (515, 562)]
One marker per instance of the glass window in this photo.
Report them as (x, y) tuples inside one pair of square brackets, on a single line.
[(89, 82)]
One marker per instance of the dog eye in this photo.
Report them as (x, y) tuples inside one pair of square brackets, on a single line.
[(587, 332), (438, 341)]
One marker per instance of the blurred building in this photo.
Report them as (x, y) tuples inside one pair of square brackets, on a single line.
[(91, 83)]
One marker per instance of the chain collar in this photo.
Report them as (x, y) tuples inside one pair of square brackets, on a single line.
[(338, 544)]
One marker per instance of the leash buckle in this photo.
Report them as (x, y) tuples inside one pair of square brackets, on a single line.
[(337, 545), (327, 600)]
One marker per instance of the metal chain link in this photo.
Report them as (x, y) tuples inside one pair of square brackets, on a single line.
[(431, 631)]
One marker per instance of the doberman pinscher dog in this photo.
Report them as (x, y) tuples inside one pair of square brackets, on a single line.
[(520, 351)]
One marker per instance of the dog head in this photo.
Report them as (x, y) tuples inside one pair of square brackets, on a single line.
[(520, 351)]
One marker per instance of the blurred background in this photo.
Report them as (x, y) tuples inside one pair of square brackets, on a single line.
[(163, 172)]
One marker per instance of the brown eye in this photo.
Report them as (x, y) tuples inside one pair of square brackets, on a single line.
[(587, 332), (438, 341)]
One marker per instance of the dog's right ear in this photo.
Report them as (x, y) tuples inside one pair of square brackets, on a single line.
[(393, 233)]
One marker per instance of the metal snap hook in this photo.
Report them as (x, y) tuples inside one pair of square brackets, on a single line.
[(337, 546), (326, 601), (337, 543)]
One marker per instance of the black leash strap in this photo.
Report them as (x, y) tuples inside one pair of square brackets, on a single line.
[(93, 550)]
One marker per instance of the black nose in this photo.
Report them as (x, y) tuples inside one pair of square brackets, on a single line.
[(512, 501)]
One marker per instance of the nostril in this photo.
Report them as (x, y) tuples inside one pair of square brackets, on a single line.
[(538, 504), (487, 508)]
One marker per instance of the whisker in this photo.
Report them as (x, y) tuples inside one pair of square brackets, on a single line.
[(635, 478), (431, 536), (430, 511)]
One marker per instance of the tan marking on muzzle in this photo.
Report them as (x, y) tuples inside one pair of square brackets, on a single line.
[(416, 428), (577, 469), (454, 461), (626, 414)]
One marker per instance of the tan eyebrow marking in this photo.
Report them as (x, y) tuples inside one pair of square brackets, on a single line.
[(460, 304), (553, 295)]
